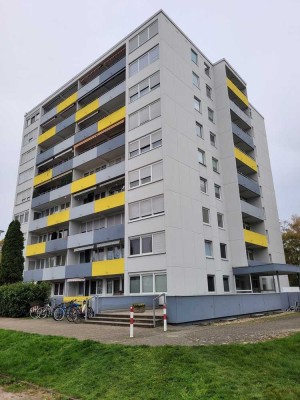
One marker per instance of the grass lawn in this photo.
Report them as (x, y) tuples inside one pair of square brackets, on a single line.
[(91, 370)]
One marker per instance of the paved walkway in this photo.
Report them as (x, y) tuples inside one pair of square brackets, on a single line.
[(245, 330)]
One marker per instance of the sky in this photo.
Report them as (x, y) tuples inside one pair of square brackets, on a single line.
[(43, 44)]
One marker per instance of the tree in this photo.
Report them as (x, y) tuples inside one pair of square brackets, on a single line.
[(12, 262), (291, 244)]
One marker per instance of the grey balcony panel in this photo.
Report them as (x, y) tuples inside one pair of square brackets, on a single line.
[(112, 144), (81, 239), (240, 113), (56, 245), (243, 136), (54, 273), (40, 158), (81, 211), (249, 184), (99, 80), (33, 276), (110, 173), (60, 192), (48, 115), (253, 211), (253, 263), (85, 157), (79, 270), (39, 200), (107, 234), (116, 91), (85, 133), (37, 224), (61, 168), (65, 123)]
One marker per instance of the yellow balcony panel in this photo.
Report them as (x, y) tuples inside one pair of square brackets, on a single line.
[(108, 267), (255, 238), (239, 155), (79, 299), (83, 183), (87, 110), (237, 92), (47, 135), (58, 218), (111, 119), (41, 178), (35, 249), (109, 202), (66, 103)]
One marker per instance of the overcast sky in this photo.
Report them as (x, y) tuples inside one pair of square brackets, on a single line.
[(45, 43)]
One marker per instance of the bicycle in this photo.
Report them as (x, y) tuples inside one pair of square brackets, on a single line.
[(78, 314)]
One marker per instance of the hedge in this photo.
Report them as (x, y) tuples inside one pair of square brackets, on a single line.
[(16, 299)]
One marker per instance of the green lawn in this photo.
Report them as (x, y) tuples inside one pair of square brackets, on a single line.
[(90, 370)]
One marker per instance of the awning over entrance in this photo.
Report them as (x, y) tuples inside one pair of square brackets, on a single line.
[(76, 280), (267, 269)]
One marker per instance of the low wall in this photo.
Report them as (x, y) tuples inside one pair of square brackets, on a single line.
[(101, 304)]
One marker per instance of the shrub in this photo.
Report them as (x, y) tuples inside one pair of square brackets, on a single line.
[(16, 299)]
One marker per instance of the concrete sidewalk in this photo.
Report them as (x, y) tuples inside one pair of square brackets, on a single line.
[(238, 331)]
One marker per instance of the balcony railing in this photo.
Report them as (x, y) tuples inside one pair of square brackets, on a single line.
[(256, 212), (240, 113), (246, 139), (256, 239)]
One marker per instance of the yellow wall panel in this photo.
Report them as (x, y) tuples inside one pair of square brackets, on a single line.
[(109, 202), (34, 249), (66, 103), (47, 135), (108, 267), (255, 238), (41, 178), (58, 218), (79, 299), (85, 111), (83, 183), (245, 159), (237, 92), (112, 119)]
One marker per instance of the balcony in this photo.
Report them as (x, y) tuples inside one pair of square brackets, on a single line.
[(245, 163), (56, 151), (252, 213), (248, 187), (242, 139), (52, 196), (108, 267), (255, 239), (239, 116), (51, 220), (237, 92), (115, 232)]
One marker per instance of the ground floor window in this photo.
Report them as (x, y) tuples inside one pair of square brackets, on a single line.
[(226, 283), (148, 283), (58, 289)]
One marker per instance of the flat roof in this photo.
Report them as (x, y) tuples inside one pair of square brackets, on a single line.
[(267, 269)]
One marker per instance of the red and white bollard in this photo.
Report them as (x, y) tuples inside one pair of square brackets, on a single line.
[(165, 317), (131, 321)]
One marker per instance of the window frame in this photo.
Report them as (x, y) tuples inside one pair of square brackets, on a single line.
[(197, 83), (153, 214), (208, 91), (222, 218), (143, 109), (210, 243), (218, 187), (140, 279), (200, 126), (202, 152), (226, 277), (138, 61), (214, 142), (138, 141), (207, 69), (139, 92), (198, 102), (213, 281), (215, 165), (193, 53), (223, 247), (140, 238), (139, 173), (138, 36), (204, 180), (208, 215), (211, 115)]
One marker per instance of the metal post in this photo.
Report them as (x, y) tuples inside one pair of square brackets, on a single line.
[(278, 282), (85, 311), (131, 322), (251, 288), (154, 313), (165, 317)]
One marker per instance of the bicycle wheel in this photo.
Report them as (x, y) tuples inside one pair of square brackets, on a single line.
[(59, 314), (70, 314), (77, 315), (43, 312), (34, 312), (90, 313)]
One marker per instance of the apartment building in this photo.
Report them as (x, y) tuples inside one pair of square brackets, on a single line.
[(149, 173)]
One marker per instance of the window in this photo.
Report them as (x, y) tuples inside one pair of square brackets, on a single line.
[(194, 56), (203, 185), (112, 220), (135, 284), (144, 87), (205, 215), (212, 139), (23, 217), (220, 218), (223, 251), (143, 36), (218, 191), (196, 80), (29, 137), (199, 130), (226, 283), (211, 283), (201, 157), (208, 248), (148, 174), (58, 289), (146, 208), (148, 283), (250, 254), (23, 196), (29, 155), (210, 114), (207, 69), (197, 104), (145, 144), (32, 119), (152, 243), (25, 175), (144, 115), (208, 91), (142, 62), (215, 164)]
